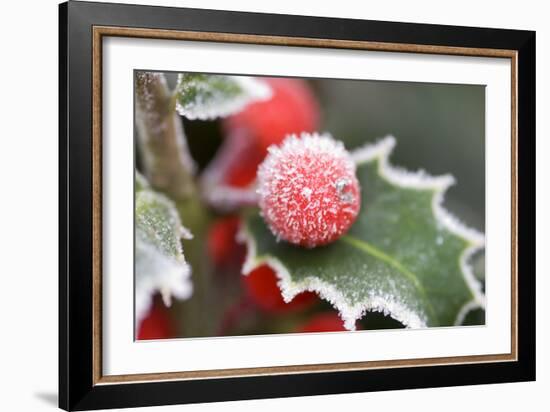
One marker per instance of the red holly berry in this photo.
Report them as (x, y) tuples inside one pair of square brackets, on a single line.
[(323, 322), (223, 248), (244, 165), (309, 194), (261, 285), (157, 324), (292, 109)]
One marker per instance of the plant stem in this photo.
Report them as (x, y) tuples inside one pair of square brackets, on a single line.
[(166, 160), (196, 312)]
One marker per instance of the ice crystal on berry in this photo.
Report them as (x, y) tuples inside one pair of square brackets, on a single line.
[(309, 194)]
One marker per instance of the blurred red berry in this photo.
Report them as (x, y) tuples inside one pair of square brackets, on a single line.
[(222, 245), (157, 324), (323, 322), (292, 109), (261, 285)]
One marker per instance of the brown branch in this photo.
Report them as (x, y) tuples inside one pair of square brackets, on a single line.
[(163, 147)]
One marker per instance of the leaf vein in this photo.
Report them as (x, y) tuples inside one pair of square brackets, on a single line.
[(377, 253)]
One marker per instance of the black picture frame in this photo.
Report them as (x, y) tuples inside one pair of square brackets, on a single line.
[(77, 389)]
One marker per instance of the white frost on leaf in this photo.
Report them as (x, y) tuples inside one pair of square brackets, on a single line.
[(160, 265), (156, 272), (349, 313), (421, 180), (206, 97), (385, 304), (478, 302)]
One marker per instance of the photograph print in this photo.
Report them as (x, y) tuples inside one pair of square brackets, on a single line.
[(286, 205)]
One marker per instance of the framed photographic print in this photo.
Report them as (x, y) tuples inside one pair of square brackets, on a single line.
[(257, 205)]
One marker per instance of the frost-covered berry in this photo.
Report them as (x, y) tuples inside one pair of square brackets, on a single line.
[(291, 109), (309, 194)]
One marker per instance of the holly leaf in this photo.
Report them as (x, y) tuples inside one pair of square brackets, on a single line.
[(160, 265), (405, 255), (140, 183), (206, 96)]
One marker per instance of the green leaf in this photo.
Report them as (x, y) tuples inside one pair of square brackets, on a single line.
[(474, 317), (141, 183), (405, 255), (160, 265), (205, 96)]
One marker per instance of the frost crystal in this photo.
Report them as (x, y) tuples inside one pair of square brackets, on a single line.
[(206, 97), (158, 273), (421, 180), (391, 299), (309, 194), (160, 265)]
